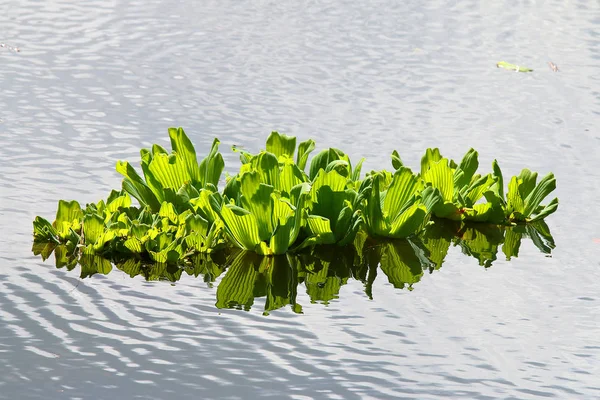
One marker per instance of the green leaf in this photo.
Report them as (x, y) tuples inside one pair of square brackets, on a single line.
[(169, 170), (211, 167), (396, 160), (44, 231), (408, 222), (167, 210), (430, 157), (241, 226), (256, 198), (440, 176), (304, 149), (267, 166), (539, 193), (513, 67), (514, 201), (184, 148), (320, 228), (280, 240), (549, 209), (289, 177), (323, 159), (356, 171), (527, 181), (93, 227), (478, 188), (134, 245), (498, 187), (375, 220), (68, 216), (467, 168), (403, 187), (281, 145)]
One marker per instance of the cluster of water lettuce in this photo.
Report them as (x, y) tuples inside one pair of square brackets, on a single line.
[(273, 205)]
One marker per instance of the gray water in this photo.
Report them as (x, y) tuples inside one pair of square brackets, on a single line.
[(95, 81)]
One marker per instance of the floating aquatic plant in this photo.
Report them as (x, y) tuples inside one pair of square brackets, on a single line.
[(273, 206), (513, 67)]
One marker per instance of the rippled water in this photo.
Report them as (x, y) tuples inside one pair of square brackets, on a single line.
[(93, 82)]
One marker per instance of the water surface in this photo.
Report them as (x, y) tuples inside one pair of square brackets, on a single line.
[(96, 81)]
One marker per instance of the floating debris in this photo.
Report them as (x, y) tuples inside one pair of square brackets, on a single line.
[(11, 48), (513, 67), (553, 66)]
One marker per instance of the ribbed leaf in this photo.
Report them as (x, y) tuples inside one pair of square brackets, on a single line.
[(376, 223), (476, 190), (323, 159), (256, 198), (44, 231), (241, 226), (134, 245), (304, 149), (549, 209), (341, 166), (211, 167), (279, 242), (403, 187), (289, 177), (168, 211), (68, 216), (153, 183), (514, 201), (184, 148), (169, 170), (467, 168), (408, 222), (267, 166), (539, 193), (440, 175), (498, 187), (431, 156), (203, 207), (396, 160), (93, 226), (320, 227), (281, 144), (302, 196), (527, 181), (343, 223)]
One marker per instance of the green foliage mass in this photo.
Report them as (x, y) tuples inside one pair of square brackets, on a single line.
[(274, 205)]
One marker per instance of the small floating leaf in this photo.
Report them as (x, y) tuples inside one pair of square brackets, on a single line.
[(513, 67)]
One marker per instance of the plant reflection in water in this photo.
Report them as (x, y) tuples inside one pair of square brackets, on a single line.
[(322, 270)]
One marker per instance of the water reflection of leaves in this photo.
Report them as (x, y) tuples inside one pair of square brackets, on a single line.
[(323, 270)]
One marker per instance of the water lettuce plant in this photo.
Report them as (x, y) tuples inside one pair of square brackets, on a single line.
[(397, 206), (462, 190), (279, 201)]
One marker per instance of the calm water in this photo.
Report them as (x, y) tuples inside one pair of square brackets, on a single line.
[(95, 82)]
